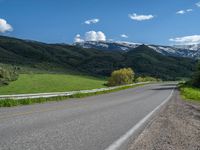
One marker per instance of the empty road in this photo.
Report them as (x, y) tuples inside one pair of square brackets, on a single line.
[(91, 123)]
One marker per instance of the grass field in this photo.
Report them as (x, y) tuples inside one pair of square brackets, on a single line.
[(40, 83), (190, 93)]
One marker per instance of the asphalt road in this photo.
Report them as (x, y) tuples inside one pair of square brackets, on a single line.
[(91, 123)]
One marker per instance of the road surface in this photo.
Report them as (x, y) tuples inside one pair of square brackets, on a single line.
[(91, 123)]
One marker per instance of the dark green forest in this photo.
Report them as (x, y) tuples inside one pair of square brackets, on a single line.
[(67, 58)]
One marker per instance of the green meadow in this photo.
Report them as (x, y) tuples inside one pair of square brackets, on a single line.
[(41, 83)]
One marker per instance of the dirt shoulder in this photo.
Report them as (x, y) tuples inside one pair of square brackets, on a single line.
[(177, 127)]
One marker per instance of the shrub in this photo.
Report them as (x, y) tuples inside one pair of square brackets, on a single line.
[(147, 78), (121, 77), (7, 75)]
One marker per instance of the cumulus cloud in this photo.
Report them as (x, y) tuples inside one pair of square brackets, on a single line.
[(124, 36), (4, 26), (198, 4), (78, 39), (181, 12), (91, 36), (95, 36), (92, 21), (186, 40), (140, 17)]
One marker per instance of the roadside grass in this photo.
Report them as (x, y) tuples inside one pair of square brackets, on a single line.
[(190, 93), (11, 102), (42, 83)]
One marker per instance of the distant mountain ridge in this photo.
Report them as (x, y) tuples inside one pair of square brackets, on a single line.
[(193, 47), (190, 51), (108, 46), (69, 58)]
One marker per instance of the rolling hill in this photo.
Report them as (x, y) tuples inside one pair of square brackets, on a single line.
[(69, 58)]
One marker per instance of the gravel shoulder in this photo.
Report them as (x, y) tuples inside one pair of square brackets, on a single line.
[(177, 127)]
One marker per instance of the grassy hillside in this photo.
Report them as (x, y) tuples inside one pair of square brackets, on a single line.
[(66, 58), (40, 83)]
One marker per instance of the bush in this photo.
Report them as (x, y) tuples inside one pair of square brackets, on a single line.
[(7, 76), (121, 77), (146, 79)]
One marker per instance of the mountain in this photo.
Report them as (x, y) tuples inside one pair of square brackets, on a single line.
[(193, 47), (190, 51), (143, 59), (148, 61), (108, 46)]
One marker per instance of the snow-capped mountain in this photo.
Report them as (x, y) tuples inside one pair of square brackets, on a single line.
[(109, 46), (175, 51), (193, 47), (191, 51)]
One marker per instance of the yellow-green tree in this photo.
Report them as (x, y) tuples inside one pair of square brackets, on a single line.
[(121, 77)]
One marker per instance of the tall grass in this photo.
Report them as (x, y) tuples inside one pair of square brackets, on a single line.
[(190, 93)]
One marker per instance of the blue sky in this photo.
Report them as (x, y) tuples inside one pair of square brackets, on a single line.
[(59, 21)]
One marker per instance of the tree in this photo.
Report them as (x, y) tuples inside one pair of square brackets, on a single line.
[(121, 77), (196, 76)]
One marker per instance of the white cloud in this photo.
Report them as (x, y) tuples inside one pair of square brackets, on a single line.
[(92, 21), (189, 10), (90, 36), (124, 36), (4, 26), (186, 40), (198, 4), (181, 12), (78, 39), (95, 36), (140, 17)]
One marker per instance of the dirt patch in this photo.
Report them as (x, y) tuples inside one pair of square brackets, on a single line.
[(177, 127)]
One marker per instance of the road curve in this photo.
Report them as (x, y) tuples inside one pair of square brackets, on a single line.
[(91, 123)]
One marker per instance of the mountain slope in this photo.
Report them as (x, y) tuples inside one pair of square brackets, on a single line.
[(146, 61), (190, 51), (142, 59)]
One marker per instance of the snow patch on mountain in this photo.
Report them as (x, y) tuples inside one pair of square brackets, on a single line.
[(194, 47), (191, 51)]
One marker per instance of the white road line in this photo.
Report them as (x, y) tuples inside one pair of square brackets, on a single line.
[(117, 144)]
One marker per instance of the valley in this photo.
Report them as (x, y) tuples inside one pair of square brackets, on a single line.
[(71, 59), (99, 75)]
